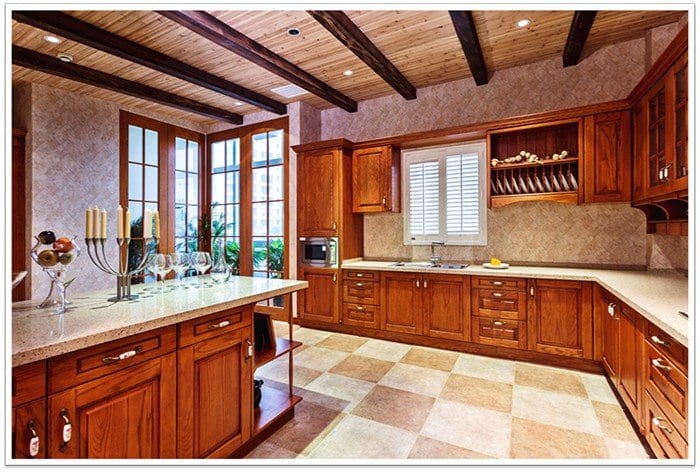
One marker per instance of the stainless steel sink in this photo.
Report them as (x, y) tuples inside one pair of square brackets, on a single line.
[(428, 265)]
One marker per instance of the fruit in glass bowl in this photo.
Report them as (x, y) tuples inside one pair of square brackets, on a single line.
[(47, 258), (63, 245)]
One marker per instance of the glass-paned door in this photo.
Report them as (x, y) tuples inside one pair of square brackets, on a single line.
[(268, 195), (225, 159), (187, 190)]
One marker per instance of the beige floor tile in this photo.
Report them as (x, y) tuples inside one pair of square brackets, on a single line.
[(477, 429), (279, 371), (384, 350), (625, 450), (565, 411), (346, 388), (326, 401), (310, 421), (430, 358), (479, 392), (268, 450), (489, 368), (318, 358), (415, 379), (309, 336), (281, 329), (427, 448), (614, 422), (379, 441), (363, 368), (598, 388), (395, 407), (534, 440), (342, 342), (549, 378)]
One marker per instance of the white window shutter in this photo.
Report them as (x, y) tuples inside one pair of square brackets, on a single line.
[(424, 183)]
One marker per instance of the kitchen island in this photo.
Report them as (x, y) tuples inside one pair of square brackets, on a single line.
[(167, 375)]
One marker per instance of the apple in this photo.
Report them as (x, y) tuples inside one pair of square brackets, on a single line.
[(47, 237), (63, 245), (65, 258), (47, 258)]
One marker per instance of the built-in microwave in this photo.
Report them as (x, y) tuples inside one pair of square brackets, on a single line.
[(318, 251)]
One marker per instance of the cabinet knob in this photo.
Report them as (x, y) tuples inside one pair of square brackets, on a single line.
[(67, 432), (425, 284), (532, 290), (384, 201), (417, 284), (659, 364), (34, 440), (658, 422), (335, 226), (658, 340)]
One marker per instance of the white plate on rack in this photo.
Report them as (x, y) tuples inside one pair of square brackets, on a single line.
[(501, 190), (488, 265), (509, 190), (523, 186), (514, 184), (538, 184), (572, 181), (547, 185), (564, 183), (493, 188)]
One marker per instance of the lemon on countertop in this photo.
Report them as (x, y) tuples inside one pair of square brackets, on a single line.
[(495, 262)]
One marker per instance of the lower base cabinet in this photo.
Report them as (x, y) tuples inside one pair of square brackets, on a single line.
[(319, 302), (630, 369)]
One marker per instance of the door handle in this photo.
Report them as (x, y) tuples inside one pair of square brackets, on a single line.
[(425, 284), (34, 440), (658, 340), (249, 350), (335, 278), (67, 431), (657, 422), (384, 201), (532, 290), (659, 364)]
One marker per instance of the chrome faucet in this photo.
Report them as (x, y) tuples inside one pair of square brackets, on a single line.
[(435, 260)]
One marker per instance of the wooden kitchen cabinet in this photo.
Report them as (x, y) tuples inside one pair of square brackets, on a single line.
[(401, 306), (499, 311), (361, 298), (215, 388), (639, 153), (630, 367), (376, 183), (560, 318), (319, 192), (607, 159), (607, 309), (319, 302), (29, 411)]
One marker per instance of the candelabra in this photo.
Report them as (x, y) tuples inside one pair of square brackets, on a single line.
[(123, 273)]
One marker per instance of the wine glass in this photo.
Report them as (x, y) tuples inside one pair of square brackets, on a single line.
[(62, 276), (151, 267), (181, 261), (164, 264), (201, 261)]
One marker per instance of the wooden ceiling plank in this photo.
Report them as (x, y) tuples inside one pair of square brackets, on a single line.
[(578, 33), (33, 60), (72, 28), (215, 30), (466, 32), (340, 26)]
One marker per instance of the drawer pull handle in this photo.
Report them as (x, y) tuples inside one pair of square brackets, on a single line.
[(658, 340), (360, 308), (657, 422), (221, 324), (359, 284), (497, 282), (659, 364), (249, 351), (497, 294), (499, 323), (34, 440), (611, 309), (67, 431), (417, 284), (358, 275), (122, 356)]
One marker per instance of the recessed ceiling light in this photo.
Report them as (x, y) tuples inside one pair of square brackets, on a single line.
[(238, 103), (523, 23), (347, 73), (51, 39), (293, 31), (289, 91), (65, 57)]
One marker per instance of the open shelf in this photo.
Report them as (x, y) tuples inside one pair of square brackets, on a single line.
[(274, 404), (559, 197), (270, 353), (548, 162)]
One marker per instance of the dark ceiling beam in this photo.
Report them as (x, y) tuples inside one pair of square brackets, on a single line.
[(75, 29), (215, 30), (578, 33), (34, 60), (466, 32), (347, 32)]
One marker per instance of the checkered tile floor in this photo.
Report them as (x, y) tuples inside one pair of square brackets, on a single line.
[(365, 398)]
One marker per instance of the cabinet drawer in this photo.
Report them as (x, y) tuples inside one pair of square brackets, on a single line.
[(355, 314), (668, 346), (668, 386), (206, 327), (91, 363), (499, 332), (662, 436), (361, 274), (508, 304), (506, 283), (360, 291), (28, 382)]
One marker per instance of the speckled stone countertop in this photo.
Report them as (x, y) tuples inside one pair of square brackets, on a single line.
[(658, 296), (39, 334)]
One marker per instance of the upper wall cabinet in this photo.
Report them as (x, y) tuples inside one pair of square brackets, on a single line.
[(607, 163), (376, 179)]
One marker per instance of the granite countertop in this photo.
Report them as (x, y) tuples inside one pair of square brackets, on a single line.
[(39, 334), (656, 295)]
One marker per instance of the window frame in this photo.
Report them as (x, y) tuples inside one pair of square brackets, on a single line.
[(440, 153)]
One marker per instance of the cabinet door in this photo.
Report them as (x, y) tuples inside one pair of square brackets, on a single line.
[(214, 401), (610, 314), (560, 318), (128, 414), (631, 360), (375, 180), (607, 160), (658, 146), (640, 163), (29, 430), (318, 193), (679, 80), (402, 307), (319, 302), (446, 306)]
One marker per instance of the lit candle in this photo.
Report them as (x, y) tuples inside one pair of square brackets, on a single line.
[(88, 223), (120, 222), (103, 224), (147, 232), (157, 216), (96, 223), (127, 224)]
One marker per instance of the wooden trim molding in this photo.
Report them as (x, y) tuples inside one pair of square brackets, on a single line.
[(578, 33), (215, 30), (341, 26), (72, 28), (468, 37)]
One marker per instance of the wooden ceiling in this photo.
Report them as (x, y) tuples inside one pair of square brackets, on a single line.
[(422, 45)]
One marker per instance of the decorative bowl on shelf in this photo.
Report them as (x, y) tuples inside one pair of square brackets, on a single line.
[(56, 256)]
